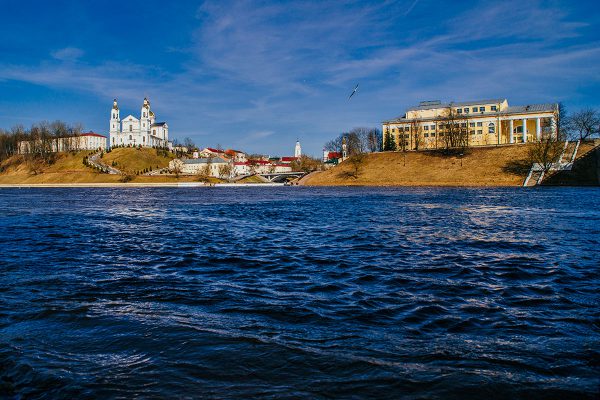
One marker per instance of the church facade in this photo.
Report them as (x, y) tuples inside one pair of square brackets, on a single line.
[(131, 131)]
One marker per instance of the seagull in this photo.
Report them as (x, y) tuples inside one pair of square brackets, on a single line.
[(354, 91)]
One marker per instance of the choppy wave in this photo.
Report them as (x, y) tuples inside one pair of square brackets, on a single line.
[(299, 292)]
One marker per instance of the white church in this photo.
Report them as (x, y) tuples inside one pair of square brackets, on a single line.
[(135, 132)]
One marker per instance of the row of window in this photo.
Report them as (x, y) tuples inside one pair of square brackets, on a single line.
[(491, 127), (472, 132), (466, 110)]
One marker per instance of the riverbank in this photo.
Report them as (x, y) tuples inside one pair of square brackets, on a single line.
[(133, 184), (478, 167)]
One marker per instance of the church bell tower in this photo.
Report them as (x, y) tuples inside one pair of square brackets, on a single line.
[(115, 122), (145, 117)]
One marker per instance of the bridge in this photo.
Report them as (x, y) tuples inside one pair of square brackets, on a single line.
[(282, 176)]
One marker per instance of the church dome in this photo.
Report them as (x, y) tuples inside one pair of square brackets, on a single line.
[(152, 113)]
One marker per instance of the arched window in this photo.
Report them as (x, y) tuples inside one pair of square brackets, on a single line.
[(130, 128), (129, 137), (144, 139), (491, 128)]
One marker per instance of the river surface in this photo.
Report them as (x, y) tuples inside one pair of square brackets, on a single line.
[(298, 292)]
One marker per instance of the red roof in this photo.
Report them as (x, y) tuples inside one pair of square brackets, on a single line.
[(214, 150), (288, 158), (334, 154), (90, 133)]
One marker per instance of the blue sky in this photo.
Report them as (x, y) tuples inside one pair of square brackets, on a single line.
[(258, 75)]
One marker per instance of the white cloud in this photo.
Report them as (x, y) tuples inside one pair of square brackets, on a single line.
[(67, 54)]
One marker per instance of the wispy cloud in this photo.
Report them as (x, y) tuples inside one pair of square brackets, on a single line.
[(67, 54), (254, 71)]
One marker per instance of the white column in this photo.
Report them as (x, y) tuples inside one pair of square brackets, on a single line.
[(538, 129), (510, 129), (524, 130)]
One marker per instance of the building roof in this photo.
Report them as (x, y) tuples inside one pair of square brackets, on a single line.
[(531, 108), (213, 160), (158, 124), (214, 150), (434, 105), (90, 133), (289, 158)]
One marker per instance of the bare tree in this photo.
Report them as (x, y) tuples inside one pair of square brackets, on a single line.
[(356, 162), (189, 143), (585, 122), (225, 170), (546, 151), (416, 132), (455, 129)]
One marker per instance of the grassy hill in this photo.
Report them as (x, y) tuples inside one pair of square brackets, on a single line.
[(490, 166), (135, 159), (69, 168)]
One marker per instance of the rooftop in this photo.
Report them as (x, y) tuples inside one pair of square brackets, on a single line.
[(432, 105), (212, 160)]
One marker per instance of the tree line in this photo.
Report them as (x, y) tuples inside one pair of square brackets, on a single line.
[(40, 141), (358, 141)]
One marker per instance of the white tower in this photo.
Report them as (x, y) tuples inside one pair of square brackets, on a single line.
[(297, 150), (145, 117), (115, 123)]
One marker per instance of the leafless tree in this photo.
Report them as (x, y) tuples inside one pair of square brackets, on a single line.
[(455, 129), (546, 151), (306, 164), (416, 132), (356, 163), (585, 122), (225, 170)]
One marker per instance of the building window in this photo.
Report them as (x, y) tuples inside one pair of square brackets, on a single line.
[(472, 132), (491, 128), (154, 132), (393, 130), (472, 124), (130, 128), (494, 108), (479, 131), (129, 137), (481, 109), (426, 127), (432, 127), (480, 124), (463, 125), (458, 111), (432, 134), (426, 134), (144, 139), (466, 110)]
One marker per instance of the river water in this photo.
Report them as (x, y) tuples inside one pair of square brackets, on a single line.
[(298, 292)]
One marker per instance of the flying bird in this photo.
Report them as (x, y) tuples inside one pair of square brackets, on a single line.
[(354, 91)]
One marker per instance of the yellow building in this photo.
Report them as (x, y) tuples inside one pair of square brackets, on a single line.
[(432, 125)]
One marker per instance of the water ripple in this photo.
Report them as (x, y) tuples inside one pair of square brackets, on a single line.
[(299, 292)]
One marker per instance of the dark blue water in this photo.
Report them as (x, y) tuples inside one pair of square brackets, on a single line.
[(299, 293)]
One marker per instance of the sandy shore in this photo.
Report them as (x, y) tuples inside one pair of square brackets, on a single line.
[(135, 184)]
